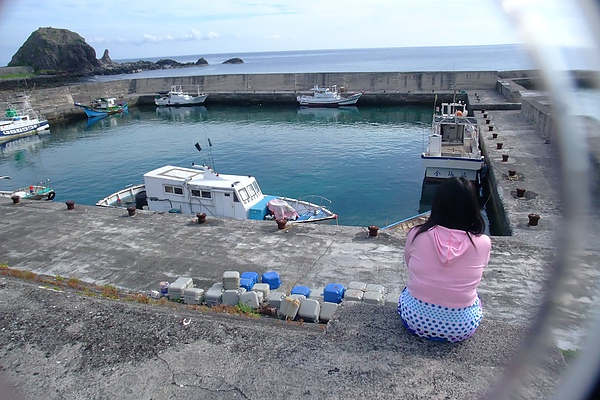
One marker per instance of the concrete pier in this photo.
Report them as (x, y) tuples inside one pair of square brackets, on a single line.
[(60, 343)]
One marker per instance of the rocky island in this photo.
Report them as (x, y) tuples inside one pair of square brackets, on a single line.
[(54, 55)]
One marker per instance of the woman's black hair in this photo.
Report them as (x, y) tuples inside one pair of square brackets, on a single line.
[(455, 205)]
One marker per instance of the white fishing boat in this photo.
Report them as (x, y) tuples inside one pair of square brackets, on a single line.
[(200, 189), (453, 146), (39, 191), (327, 97), (21, 121), (177, 97)]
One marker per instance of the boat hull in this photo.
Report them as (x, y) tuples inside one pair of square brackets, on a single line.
[(34, 192), (93, 112), (13, 131), (308, 212), (310, 101), (171, 102)]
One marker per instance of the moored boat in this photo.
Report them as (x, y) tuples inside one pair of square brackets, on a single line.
[(200, 189), (39, 191), (102, 107), (21, 121), (177, 97), (327, 97), (453, 146), (408, 223)]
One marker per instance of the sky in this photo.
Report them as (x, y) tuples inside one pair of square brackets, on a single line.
[(137, 29)]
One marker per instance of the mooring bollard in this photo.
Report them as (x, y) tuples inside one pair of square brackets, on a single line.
[(490, 128), (499, 145), (201, 218), (281, 223), (494, 135), (533, 219), (504, 157), (70, 204), (131, 210), (520, 192), (16, 199), (373, 230), (512, 172)]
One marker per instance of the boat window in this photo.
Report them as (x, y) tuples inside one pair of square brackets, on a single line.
[(174, 190), (235, 198), (256, 187), (244, 195), (206, 194), (251, 191), (195, 193)]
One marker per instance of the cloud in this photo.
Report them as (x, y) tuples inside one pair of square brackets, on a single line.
[(193, 35)]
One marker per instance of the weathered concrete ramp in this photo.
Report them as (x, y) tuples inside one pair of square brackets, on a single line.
[(68, 346), (133, 351)]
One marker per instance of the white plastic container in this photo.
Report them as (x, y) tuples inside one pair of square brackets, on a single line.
[(289, 308), (373, 297), (251, 299), (274, 299), (231, 280), (263, 288), (375, 288), (357, 285), (193, 296), (231, 297), (353, 295), (327, 311), (317, 294), (392, 299), (309, 310), (214, 294), (177, 288)]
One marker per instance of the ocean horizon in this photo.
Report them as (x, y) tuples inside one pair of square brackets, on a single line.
[(398, 59)]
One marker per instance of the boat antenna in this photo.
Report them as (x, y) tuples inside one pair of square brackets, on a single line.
[(210, 156)]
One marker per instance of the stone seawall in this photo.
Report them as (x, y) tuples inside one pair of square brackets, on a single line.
[(379, 88)]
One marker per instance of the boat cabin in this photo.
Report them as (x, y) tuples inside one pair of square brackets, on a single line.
[(104, 103), (202, 190)]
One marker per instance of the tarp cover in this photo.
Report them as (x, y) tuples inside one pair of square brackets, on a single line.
[(282, 209)]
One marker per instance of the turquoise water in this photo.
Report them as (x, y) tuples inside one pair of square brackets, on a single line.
[(365, 160)]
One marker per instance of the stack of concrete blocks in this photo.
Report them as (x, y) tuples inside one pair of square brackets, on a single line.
[(177, 288), (214, 294), (193, 296)]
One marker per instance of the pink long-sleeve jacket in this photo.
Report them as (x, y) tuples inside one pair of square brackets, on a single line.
[(444, 267)]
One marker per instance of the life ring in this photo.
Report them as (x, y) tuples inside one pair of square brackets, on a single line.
[(51, 196)]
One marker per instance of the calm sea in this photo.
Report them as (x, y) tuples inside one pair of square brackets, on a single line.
[(365, 160), (401, 59)]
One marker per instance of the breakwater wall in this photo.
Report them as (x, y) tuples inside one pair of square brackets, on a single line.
[(379, 88)]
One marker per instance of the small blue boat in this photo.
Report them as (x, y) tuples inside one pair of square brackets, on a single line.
[(102, 107)]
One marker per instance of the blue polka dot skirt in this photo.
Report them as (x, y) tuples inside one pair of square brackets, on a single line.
[(436, 322)]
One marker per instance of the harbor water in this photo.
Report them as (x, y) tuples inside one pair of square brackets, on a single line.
[(365, 160)]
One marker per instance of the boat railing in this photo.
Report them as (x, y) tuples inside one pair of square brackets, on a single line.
[(409, 222), (317, 200)]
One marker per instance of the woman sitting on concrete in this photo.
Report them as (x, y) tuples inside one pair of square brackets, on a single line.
[(445, 257)]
